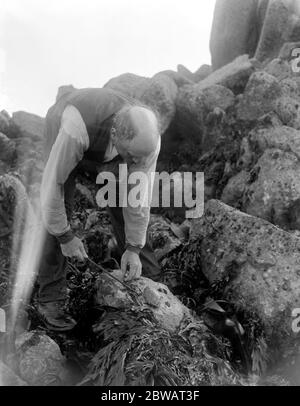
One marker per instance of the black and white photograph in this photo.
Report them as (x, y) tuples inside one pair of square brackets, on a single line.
[(149, 196)]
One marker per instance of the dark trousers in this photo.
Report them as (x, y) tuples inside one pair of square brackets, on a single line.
[(52, 272)]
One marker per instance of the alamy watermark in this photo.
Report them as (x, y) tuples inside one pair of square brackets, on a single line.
[(152, 189), (295, 60)]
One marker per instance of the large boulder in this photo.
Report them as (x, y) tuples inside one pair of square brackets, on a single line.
[(30, 125), (267, 185), (274, 187), (168, 311), (197, 108), (235, 75), (234, 31), (40, 360), (260, 97), (257, 265), (258, 28), (279, 26)]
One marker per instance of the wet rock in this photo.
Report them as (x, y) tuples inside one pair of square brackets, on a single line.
[(234, 76), (166, 308), (260, 97), (257, 263), (30, 125), (40, 360), (111, 293), (9, 378)]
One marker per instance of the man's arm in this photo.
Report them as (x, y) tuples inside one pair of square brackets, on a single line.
[(136, 219), (67, 151)]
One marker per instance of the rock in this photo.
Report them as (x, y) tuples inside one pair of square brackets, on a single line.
[(274, 186), (257, 263), (30, 125), (202, 73), (7, 149), (185, 72), (288, 111), (260, 97), (162, 238), (9, 378), (234, 190), (4, 122), (194, 109), (258, 28), (234, 31), (111, 293), (40, 360), (278, 27), (279, 68), (177, 78), (166, 308), (159, 93), (234, 76)]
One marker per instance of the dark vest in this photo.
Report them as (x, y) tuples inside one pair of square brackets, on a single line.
[(97, 108)]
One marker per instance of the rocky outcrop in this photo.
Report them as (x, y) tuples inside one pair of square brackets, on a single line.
[(234, 76), (256, 264), (234, 31), (255, 27)]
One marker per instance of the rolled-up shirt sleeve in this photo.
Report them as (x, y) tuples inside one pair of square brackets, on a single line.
[(136, 219), (66, 153)]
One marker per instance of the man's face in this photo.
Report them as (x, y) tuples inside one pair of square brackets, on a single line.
[(126, 149)]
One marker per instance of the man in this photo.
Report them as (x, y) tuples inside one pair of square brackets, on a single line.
[(87, 128)]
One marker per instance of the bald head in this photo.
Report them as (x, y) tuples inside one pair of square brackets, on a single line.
[(137, 131)]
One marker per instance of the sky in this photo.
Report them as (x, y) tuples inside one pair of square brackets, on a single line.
[(48, 43)]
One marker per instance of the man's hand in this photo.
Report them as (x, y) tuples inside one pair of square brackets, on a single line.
[(74, 249), (131, 265)]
